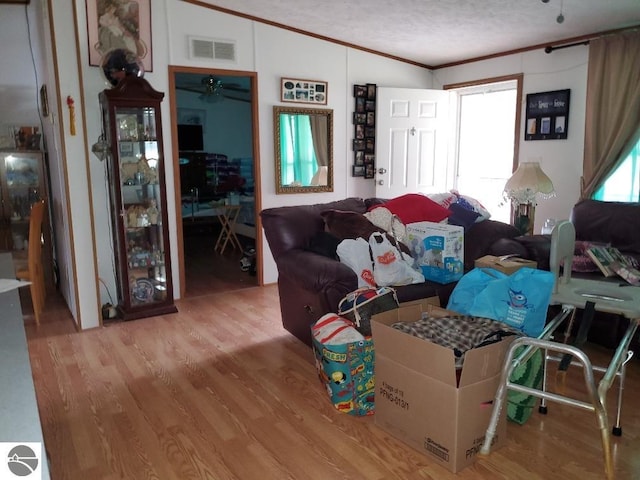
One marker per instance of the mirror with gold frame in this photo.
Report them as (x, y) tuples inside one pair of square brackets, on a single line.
[(303, 143)]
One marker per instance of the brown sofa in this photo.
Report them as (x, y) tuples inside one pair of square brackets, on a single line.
[(312, 282), (612, 223)]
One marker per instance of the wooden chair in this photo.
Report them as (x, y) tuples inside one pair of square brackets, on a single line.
[(33, 272)]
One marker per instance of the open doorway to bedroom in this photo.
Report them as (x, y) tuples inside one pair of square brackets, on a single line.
[(214, 128)]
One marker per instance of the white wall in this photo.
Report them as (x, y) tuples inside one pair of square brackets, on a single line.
[(19, 27), (561, 160)]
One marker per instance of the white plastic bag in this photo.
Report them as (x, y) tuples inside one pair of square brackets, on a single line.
[(355, 254), (332, 329), (390, 267)]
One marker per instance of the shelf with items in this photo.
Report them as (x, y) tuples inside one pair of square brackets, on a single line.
[(23, 183), (131, 113)]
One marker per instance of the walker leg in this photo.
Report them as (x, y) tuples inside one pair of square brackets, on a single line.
[(542, 408), (501, 395), (617, 429), (606, 448)]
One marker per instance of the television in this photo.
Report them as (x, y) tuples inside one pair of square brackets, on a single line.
[(190, 138)]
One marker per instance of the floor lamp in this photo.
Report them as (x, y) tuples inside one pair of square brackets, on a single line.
[(523, 189)]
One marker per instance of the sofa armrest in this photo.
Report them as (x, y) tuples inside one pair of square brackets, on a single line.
[(538, 248), (316, 273)]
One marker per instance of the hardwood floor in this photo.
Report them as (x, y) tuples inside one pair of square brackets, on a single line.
[(207, 271), (221, 391)]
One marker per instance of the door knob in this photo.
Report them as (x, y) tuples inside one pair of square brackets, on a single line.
[(380, 182), (382, 171)]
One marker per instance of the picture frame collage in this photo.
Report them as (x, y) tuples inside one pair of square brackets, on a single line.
[(364, 134), (303, 91)]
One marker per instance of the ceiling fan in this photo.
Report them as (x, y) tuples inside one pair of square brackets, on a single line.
[(213, 90)]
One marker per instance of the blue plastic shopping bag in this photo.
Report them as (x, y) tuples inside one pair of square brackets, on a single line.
[(520, 299)]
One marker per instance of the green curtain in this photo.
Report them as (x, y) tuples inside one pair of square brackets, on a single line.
[(623, 185), (298, 155)]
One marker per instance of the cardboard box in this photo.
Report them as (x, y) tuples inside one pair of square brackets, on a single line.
[(419, 400), (505, 265), (438, 249)]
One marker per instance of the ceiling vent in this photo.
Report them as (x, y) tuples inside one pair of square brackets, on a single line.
[(201, 48)]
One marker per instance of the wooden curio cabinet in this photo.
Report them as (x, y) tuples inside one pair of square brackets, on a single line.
[(133, 129)]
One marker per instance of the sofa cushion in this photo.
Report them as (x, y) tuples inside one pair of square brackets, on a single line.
[(325, 244), (479, 239), (414, 207)]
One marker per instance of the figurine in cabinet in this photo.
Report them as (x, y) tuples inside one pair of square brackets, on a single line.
[(149, 174), (152, 212)]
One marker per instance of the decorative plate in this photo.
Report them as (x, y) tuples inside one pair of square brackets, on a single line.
[(143, 290)]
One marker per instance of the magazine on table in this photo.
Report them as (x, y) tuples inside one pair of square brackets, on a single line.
[(612, 262)]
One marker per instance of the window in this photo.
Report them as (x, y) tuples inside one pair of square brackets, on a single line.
[(623, 184), (486, 138)]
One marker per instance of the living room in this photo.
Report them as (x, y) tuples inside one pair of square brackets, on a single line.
[(84, 253)]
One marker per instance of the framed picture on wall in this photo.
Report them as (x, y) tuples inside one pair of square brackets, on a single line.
[(119, 25), (303, 91), (547, 115)]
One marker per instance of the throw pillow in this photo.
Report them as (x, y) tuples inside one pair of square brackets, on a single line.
[(461, 216), (343, 225), (413, 207), (471, 203), (383, 218), (581, 260), (443, 199)]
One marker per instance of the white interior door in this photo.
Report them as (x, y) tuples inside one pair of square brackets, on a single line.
[(413, 141)]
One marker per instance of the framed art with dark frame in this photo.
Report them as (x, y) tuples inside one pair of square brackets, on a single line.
[(364, 121), (122, 25), (303, 91), (547, 115)]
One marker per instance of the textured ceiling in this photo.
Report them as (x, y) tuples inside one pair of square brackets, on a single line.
[(437, 32)]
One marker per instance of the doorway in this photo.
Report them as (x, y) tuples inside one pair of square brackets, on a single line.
[(216, 165), (488, 126)]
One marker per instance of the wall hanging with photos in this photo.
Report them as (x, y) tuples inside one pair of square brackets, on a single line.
[(364, 139), (303, 91), (547, 116)]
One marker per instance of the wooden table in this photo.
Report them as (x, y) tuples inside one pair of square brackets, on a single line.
[(19, 418), (227, 214)]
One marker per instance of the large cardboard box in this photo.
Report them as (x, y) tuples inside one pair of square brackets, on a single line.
[(419, 399), (438, 249), (506, 265)]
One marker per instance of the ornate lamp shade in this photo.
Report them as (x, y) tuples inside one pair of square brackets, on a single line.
[(523, 189)]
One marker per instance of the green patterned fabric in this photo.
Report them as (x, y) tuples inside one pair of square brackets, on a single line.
[(520, 405)]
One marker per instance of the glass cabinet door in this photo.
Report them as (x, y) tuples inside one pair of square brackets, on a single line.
[(21, 185), (142, 205)]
